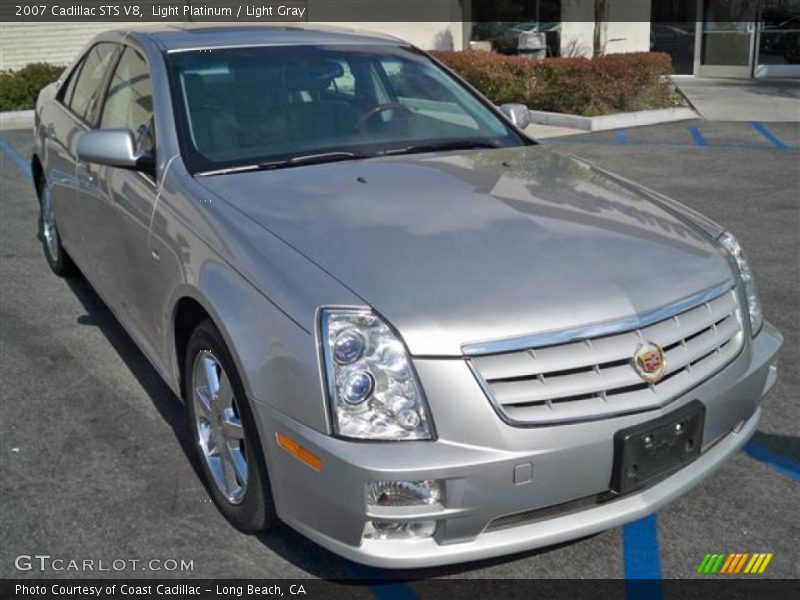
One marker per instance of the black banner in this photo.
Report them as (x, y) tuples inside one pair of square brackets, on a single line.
[(279, 11), (730, 588)]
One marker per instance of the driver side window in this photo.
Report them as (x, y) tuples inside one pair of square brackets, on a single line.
[(129, 101)]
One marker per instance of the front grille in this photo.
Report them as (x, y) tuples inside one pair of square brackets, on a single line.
[(595, 378)]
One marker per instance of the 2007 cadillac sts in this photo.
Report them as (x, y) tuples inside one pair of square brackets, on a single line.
[(398, 324)]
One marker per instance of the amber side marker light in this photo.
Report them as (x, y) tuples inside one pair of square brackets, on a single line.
[(298, 451)]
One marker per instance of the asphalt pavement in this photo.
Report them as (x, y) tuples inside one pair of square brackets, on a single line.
[(94, 456)]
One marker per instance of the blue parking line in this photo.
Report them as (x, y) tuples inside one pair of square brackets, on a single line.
[(771, 137), (642, 561), (621, 137), (391, 589), (665, 143), (779, 462), (16, 158), (699, 139)]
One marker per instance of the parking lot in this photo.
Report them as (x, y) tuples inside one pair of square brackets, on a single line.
[(94, 456)]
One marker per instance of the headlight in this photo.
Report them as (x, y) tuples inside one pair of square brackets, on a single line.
[(730, 242), (372, 387)]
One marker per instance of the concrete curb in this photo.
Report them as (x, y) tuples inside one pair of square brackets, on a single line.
[(617, 121), (20, 119), (24, 118)]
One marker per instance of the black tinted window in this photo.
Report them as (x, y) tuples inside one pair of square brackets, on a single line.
[(129, 102), (90, 78)]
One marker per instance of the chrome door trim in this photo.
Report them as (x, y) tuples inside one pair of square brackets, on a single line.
[(550, 338)]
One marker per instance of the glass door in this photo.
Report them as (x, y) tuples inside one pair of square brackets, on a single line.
[(727, 41), (778, 43)]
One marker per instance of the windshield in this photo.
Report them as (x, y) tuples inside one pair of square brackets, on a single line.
[(264, 106)]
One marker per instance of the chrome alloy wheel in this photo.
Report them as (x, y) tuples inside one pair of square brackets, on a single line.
[(219, 427), (49, 230)]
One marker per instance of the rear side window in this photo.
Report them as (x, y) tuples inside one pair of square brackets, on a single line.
[(89, 80), (129, 101)]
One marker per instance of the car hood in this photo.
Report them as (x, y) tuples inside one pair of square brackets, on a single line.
[(465, 247)]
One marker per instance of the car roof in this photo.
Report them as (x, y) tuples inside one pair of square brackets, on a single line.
[(188, 36)]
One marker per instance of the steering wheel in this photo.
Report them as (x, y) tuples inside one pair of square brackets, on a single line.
[(362, 120)]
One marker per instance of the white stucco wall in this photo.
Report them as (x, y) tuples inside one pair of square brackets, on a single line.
[(577, 38), (577, 33), (56, 43)]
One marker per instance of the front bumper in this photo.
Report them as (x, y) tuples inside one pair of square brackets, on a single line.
[(477, 456)]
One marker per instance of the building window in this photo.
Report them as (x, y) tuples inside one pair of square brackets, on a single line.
[(672, 30), (525, 27)]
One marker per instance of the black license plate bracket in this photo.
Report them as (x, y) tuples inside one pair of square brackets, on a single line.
[(649, 451)]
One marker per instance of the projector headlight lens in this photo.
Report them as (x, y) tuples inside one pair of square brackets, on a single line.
[(357, 387), (348, 347)]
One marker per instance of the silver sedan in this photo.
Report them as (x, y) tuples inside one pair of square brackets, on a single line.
[(398, 325)]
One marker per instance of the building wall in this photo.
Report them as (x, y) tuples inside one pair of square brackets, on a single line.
[(56, 43), (577, 31), (59, 43), (577, 38)]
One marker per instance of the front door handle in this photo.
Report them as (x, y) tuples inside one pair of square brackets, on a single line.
[(84, 173)]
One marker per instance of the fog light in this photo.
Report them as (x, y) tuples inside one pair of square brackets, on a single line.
[(403, 493), (396, 530)]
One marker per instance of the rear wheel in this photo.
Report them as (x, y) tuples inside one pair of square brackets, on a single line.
[(58, 259), (225, 434)]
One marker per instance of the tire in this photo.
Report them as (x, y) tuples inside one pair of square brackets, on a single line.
[(57, 258), (240, 491)]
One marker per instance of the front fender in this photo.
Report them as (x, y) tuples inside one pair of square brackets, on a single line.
[(276, 359)]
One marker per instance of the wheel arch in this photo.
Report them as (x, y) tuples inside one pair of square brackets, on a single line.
[(189, 310)]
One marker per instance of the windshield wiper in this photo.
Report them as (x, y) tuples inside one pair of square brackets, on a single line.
[(294, 161), (312, 159), (434, 146)]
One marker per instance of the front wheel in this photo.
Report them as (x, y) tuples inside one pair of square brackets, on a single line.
[(58, 259), (225, 434)]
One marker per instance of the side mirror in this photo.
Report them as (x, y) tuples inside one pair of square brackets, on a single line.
[(113, 148), (517, 113)]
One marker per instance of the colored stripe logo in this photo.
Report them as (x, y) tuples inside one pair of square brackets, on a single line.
[(737, 562)]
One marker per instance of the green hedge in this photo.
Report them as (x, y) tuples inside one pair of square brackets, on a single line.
[(19, 89), (582, 86)]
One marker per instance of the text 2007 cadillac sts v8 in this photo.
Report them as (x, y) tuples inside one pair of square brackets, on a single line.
[(398, 324)]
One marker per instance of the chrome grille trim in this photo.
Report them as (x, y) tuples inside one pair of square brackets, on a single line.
[(594, 378), (593, 330)]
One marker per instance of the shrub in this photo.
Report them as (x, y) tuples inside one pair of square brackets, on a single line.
[(19, 89), (582, 86)]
